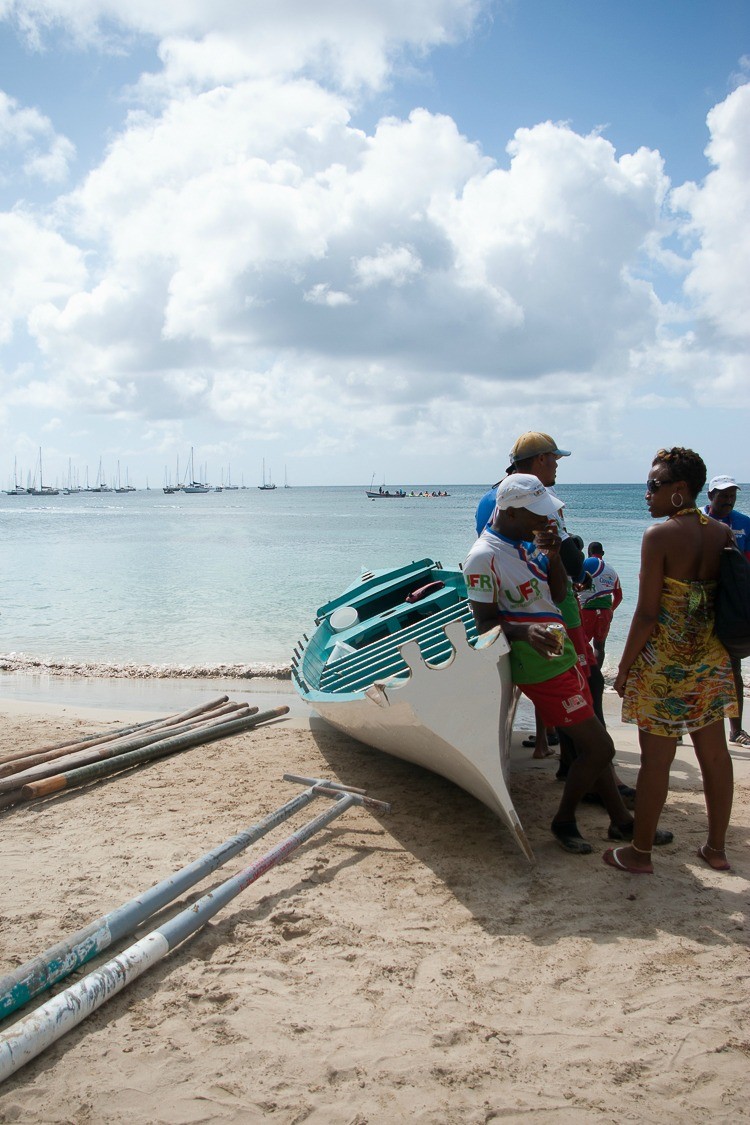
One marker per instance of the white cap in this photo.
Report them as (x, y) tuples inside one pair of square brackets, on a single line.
[(718, 484), (522, 490)]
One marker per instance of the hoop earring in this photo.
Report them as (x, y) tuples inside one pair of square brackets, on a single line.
[(676, 499)]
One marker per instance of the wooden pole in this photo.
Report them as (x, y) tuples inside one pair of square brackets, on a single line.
[(112, 749), (93, 740), (96, 770)]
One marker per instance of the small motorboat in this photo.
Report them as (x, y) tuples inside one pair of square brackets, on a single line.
[(396, 662)]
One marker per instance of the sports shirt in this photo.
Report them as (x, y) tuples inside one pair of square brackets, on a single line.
[(513, 576)]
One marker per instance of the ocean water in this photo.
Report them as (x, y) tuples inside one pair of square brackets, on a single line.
[(231, 580)]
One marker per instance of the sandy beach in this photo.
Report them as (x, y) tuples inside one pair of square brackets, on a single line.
[(412, 967)]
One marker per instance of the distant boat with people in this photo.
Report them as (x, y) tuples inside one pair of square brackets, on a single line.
[(385, 494)]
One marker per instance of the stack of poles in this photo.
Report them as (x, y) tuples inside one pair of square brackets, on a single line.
[(32, 774), (26, 1039)]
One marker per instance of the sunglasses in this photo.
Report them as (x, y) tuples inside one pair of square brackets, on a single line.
[(653, 486)]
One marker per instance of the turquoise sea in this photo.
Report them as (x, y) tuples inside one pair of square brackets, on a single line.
[(232, 579)]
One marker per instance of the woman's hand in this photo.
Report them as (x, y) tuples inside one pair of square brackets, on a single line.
[(620, 680)]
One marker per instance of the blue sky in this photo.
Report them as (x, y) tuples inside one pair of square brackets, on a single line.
[(357, 239)]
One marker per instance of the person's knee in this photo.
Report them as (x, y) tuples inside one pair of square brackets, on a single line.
[(608, 746)]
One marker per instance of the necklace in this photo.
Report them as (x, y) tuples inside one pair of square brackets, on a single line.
[(689, 511)]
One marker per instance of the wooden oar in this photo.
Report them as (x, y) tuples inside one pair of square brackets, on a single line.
[(119, 746), (160, 749), (106, 736)]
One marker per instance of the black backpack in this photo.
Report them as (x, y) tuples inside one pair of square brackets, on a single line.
[(733, 603)]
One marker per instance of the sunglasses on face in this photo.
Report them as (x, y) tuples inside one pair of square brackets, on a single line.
[(653, 485)]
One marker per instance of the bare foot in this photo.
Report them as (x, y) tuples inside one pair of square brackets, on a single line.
[(543, 752)]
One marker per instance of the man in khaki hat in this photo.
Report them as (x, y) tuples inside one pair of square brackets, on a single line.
[(535, 453)]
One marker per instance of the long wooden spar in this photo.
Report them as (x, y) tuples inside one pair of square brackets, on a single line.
[(26, 1039)]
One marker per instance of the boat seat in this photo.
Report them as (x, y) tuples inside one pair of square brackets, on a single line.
[(383, 643), (384, 660)]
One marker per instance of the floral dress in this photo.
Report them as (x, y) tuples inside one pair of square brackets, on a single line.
[(682, 678)]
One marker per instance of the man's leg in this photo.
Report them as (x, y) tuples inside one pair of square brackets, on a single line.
[(736, 733), (594, 751)]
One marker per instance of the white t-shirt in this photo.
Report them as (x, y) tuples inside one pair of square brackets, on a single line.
[(513, 576)]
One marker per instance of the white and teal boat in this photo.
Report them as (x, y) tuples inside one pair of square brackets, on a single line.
[(396, 662)]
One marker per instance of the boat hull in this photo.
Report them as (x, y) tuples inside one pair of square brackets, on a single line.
[(452, 714)]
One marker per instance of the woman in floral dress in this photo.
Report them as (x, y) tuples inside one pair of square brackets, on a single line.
[(675, 675)]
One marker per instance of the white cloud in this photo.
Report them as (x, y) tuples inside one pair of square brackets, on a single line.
[(45, 154), (223, 41), (231, 223), (718, 220), (396, 265), (323, 295), (243, 253), (36, 266)]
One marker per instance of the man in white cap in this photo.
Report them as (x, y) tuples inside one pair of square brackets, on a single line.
[(537, 454), (515, 578), (722, 497)]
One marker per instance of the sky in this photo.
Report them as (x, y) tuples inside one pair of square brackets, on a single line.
[(372, 240)]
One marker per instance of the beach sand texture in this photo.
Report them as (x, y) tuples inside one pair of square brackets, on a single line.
[(412, 967)]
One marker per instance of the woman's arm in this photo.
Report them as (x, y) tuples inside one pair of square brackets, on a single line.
[(651, 581)]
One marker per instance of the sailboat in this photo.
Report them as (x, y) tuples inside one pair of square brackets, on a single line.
[(266, 486), (17, 489), (194, 486), (229, 487), (101, 485), (44, 489), (127, 487), (286, 482)]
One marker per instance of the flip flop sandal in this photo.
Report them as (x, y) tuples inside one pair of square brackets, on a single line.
[(612, 859), (701, 853)]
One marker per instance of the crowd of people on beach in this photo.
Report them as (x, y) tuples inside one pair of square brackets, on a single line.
[(527, 573)]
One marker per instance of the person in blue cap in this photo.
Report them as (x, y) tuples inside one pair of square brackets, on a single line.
[(722, 497)]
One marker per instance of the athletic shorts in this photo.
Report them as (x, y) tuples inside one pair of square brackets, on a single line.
[(562, 701), (596, 623), (583, 649)]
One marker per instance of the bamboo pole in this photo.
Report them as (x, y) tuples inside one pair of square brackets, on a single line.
[(88, 740), (27, 981), (112, 749), (26, 1039), (107, 736), (96, 770)]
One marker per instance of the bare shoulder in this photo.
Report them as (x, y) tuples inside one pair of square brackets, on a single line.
[(656, 534)]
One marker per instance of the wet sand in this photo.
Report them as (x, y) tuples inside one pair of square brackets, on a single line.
[(411, 967)]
